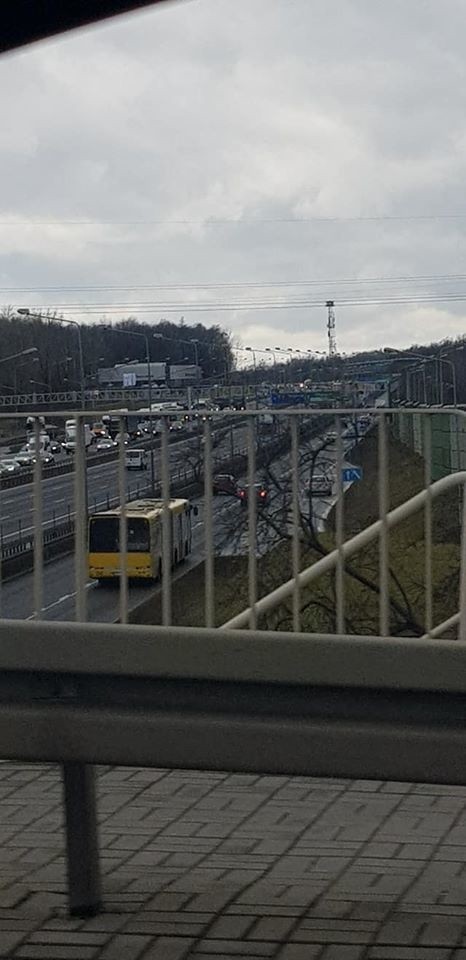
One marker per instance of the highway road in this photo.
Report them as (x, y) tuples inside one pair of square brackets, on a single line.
[(16, 503), (230, 538)]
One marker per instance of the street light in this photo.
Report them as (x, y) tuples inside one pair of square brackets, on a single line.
[(40, 383), (192, 343), (22, 353), (143, 336), (430, 358), (26, 312)]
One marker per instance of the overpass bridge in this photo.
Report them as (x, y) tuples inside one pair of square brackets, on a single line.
[(250, 696)]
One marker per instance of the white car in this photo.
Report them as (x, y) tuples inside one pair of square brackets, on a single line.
[(102, 446), (7, 467)]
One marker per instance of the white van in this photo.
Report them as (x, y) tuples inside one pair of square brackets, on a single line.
[(136, 459)]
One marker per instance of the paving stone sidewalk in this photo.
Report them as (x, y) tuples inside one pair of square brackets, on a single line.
[(207, 866)]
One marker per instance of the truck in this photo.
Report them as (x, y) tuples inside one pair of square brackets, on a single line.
[(70, 436)]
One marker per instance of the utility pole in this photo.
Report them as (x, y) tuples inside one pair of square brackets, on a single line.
[(332, 341)]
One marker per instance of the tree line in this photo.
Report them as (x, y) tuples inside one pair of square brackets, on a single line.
[(55, 366)]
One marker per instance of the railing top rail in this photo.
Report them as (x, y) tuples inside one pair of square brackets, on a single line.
[(251, 656), (222, 414)]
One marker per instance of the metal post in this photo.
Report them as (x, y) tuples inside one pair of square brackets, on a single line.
[(384, 574), (167, 549), (428, 524), (252, 522), (38, 520), (149, 389), (123, 527), (340, 535), (295, 518), (81, 365), (208, 529), (81, 839), (81, 520)]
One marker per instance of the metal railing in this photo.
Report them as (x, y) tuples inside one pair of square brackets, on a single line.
[(223, 700), (312, 534), (199, 697)]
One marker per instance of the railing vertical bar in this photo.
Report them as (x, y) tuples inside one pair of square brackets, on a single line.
[(384, 615), (428, 523), (462, 620), (252, 522), (295, 518), (123, 526), (38, 521), (80, 523), (208, 528), (340, 531), (166, 528)]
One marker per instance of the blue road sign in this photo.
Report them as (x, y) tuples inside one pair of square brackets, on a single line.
[(350, 474), (287, 399)]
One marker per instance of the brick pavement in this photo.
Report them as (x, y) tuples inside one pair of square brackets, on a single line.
[(208, 866)]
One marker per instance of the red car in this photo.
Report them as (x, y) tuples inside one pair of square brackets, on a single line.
[(260, 492)]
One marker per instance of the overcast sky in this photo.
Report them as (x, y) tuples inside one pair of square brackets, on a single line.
[(259, 111)]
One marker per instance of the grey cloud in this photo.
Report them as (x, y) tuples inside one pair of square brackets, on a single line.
[(258, 110)]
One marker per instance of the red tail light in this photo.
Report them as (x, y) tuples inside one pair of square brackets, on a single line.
[(263, 493), (242, 493)]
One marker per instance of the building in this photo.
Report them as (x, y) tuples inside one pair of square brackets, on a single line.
[(133, 375)]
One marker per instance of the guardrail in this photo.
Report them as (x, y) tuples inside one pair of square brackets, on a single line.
[(25, 475), (278, 702), (251, 702)]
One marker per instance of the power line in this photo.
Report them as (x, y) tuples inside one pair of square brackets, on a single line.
[(246, 284), (236, 221), (222, 306)]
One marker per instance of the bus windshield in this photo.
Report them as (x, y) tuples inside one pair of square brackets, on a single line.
[(104, 535)]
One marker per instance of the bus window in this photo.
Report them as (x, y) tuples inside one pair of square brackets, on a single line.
[(104, 535)]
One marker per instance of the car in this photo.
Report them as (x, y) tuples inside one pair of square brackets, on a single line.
[(24, 458), (55, 447), (46, 457), (125, 438), (260, 492), (106, 444), (320, 485), (99, 430), (8, 467), (136, 459), (224, 483)]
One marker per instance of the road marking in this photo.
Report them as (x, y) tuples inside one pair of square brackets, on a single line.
[(56, 603)]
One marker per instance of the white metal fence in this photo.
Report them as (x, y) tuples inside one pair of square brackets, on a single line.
[(304, 462)]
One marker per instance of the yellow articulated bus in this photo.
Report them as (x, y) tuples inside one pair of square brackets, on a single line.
[(144, 539)]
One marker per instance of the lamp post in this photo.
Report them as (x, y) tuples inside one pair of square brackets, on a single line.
[(431, 358), (24, 311), (192, 343), (143, 336), (22, 353)]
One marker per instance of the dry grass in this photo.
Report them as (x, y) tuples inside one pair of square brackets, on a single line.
[(406, 472)]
